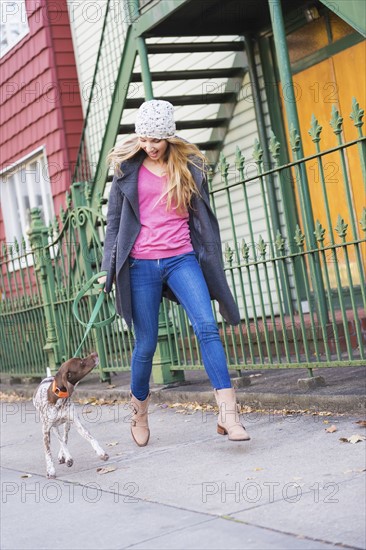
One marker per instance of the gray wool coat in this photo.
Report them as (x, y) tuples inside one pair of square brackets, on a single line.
[(123, 227)]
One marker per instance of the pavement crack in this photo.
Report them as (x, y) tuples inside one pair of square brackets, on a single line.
[(289, 533)]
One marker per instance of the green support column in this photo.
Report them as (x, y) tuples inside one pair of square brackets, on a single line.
[(259, 115), (284, 67), (145, 69), (165, 356), (134, 7)]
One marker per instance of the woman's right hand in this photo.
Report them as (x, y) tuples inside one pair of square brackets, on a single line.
[(102, 280)]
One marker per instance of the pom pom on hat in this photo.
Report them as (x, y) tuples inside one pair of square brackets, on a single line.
[(155, 119)]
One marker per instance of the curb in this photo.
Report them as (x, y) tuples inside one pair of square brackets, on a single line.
[(336, 404)]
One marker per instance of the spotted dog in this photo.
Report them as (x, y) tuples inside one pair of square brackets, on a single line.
[(52, 400)]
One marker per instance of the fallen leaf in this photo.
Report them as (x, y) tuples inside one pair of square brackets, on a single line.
[(356, 438), (112, 443), (258, 469), (361, 423), (111, 386), (331, 429), (353, 439), (106, 470), (26, 475)]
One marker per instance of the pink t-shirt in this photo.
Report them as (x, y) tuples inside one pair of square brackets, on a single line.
[(163, 233)]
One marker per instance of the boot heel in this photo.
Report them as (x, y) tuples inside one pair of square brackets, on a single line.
[(221, 430)]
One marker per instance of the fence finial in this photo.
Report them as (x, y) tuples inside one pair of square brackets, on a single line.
[(315, 129), (336, 121), (357, 114)]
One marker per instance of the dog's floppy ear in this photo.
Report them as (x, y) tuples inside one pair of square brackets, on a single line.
[(62, 383)]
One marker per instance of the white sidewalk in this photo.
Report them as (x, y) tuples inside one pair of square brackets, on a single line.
[(293, 486)]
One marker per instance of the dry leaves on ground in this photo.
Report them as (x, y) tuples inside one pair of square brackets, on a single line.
[(361, 423), (353, 439), (12, 397), (100, 401), (188, 408), (331, 429), (106, 469)]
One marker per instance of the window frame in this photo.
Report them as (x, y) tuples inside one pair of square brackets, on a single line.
[(7, 23), (11, 194)]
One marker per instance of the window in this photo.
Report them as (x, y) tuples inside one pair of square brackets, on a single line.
[(23, 187), (13, 24)]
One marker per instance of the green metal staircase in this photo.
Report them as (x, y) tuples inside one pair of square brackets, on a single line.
[(351, 11), (204, 96), (219, 87)]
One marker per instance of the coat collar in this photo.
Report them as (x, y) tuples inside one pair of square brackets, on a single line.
[(127, 182)]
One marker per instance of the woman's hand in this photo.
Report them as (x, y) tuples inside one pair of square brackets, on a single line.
[(101, 281)]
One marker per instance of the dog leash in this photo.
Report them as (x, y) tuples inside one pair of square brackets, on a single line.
[(98, 288)]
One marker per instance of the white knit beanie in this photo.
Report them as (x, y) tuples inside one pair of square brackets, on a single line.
[(155, 119)]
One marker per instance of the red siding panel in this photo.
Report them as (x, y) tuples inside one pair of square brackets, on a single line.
[(39, 96)]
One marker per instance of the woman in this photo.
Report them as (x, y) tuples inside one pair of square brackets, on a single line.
[(162, 239)]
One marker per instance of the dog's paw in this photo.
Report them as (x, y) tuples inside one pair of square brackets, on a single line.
[(51, 475), (69, 462), (61, 459), (104, 456)]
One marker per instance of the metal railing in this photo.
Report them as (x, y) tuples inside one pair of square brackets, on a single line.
[(283, 324)]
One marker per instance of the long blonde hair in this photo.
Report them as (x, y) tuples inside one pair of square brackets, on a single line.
[(181, 186)]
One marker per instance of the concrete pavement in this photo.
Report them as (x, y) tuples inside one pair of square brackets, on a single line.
[(293, 486)]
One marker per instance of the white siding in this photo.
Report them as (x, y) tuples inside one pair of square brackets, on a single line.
[(86, 20)]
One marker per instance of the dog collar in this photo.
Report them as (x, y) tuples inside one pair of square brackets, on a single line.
[(58, 392)]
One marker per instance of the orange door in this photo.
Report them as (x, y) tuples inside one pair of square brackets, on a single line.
[(334, 82)]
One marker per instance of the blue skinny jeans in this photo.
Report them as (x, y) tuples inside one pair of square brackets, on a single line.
[(184, 277)]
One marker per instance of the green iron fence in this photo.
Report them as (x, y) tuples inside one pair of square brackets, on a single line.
[(302, 304), (22, 316), (37, 327)]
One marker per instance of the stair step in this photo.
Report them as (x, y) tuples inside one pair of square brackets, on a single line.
[(183, 125), (208, 145), (191, 47), (230, 72), (199, 99)]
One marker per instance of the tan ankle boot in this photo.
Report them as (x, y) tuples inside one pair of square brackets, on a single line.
[(139, 422), (228, 421)]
